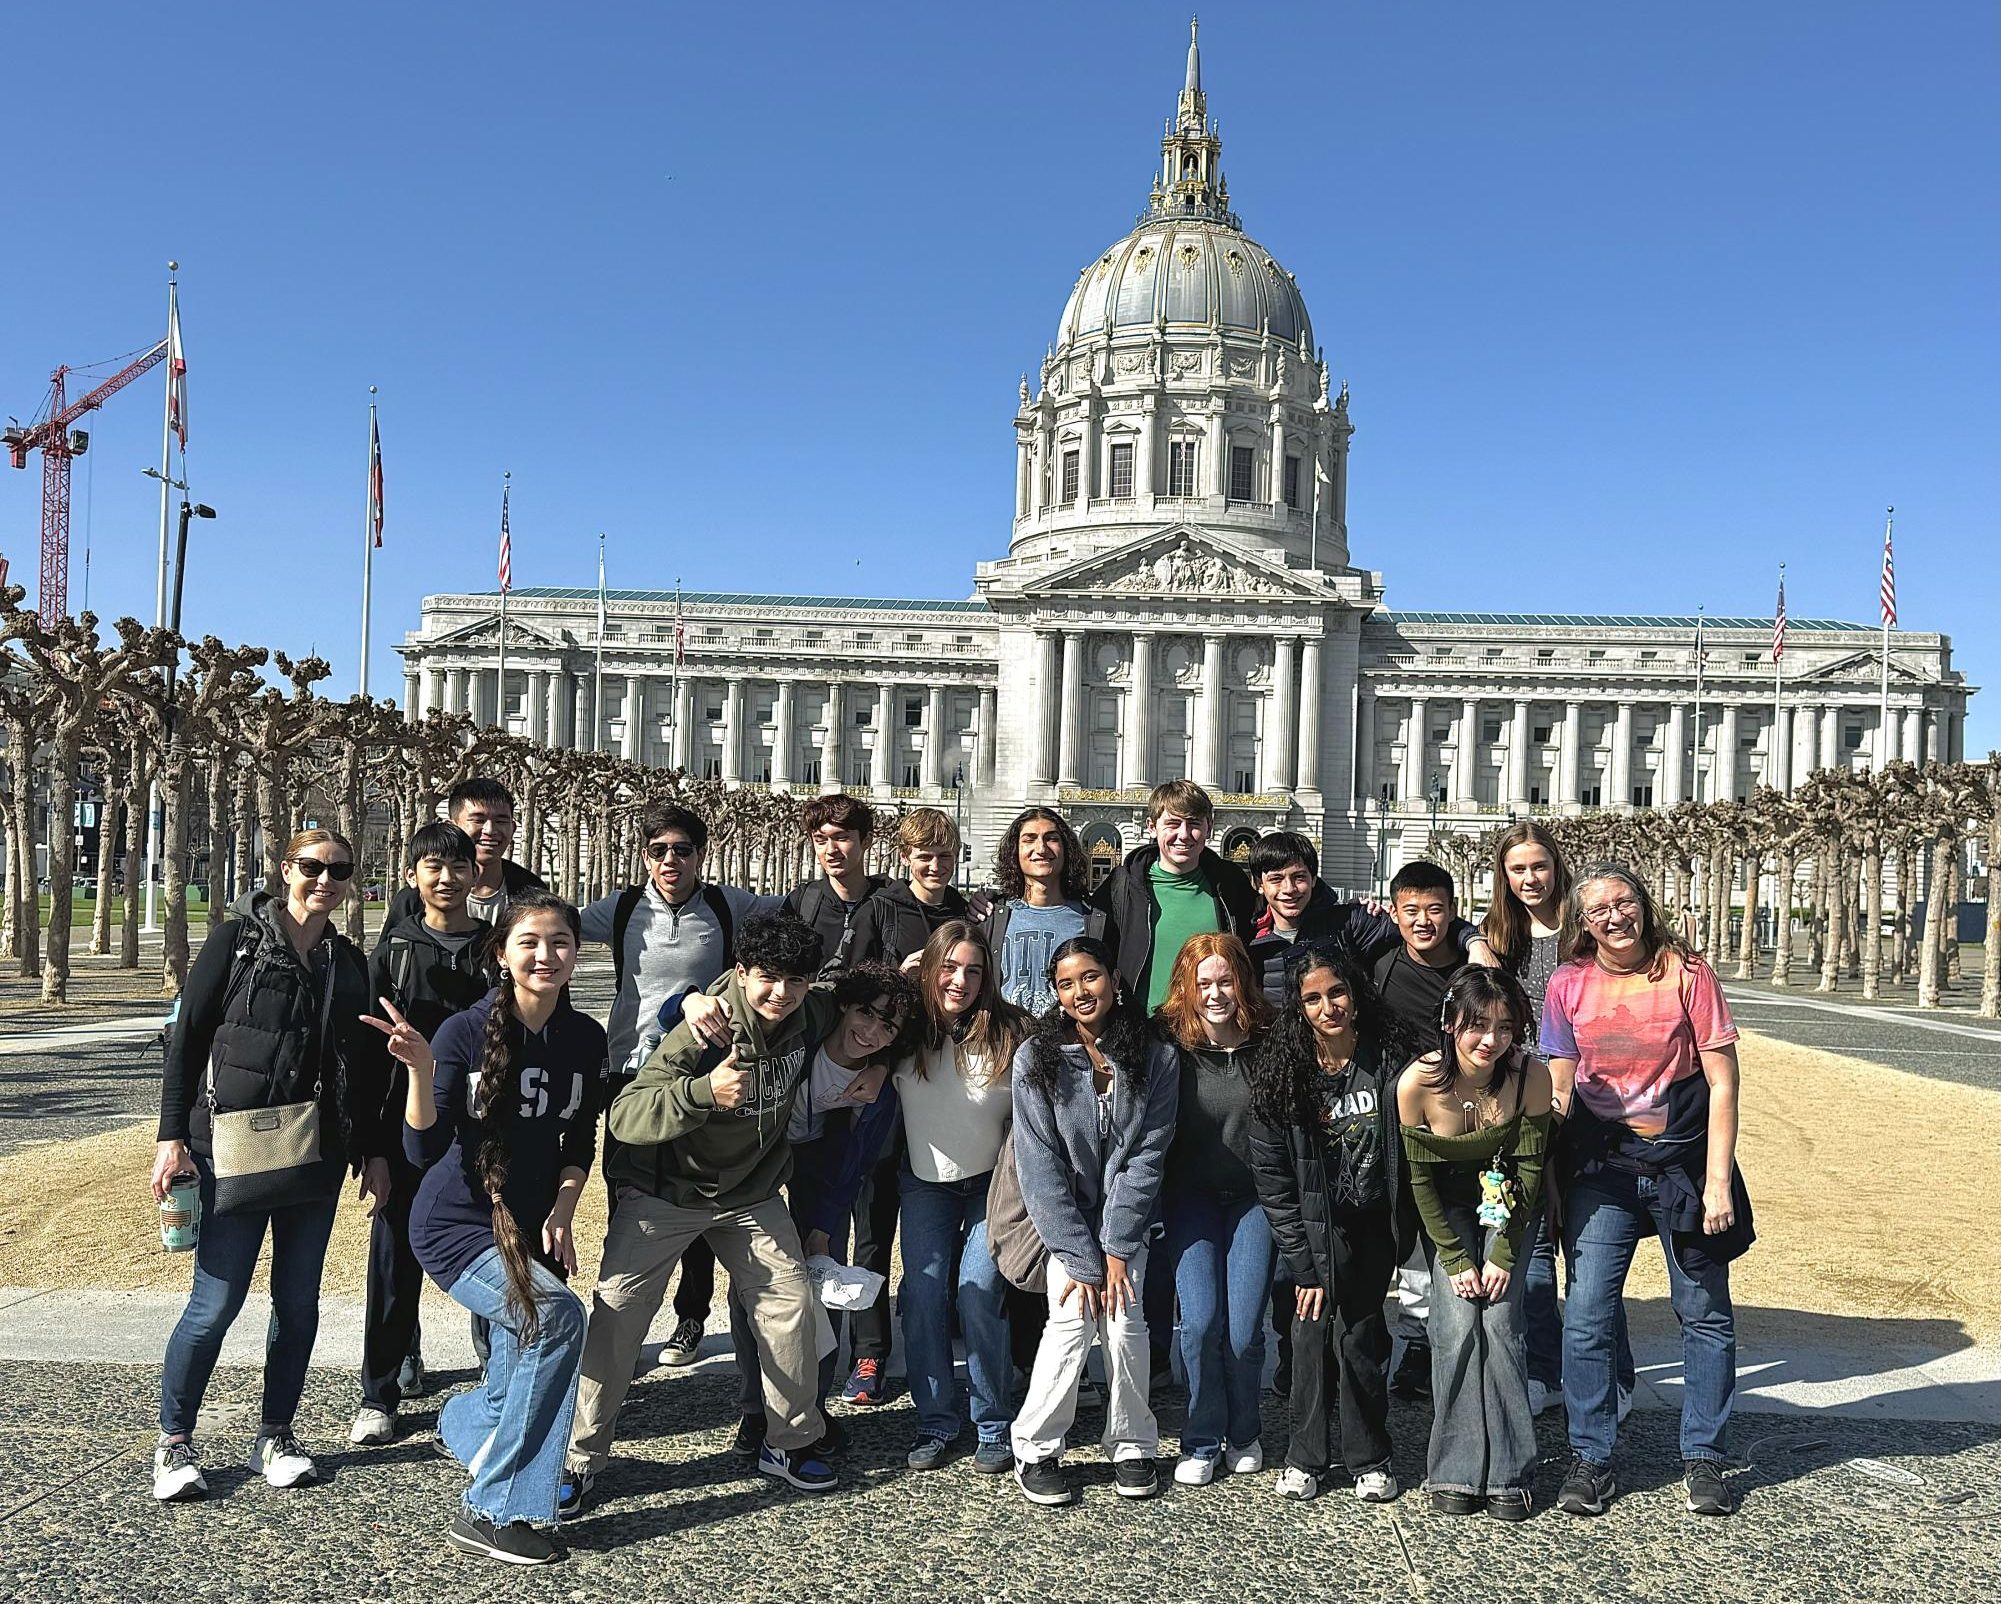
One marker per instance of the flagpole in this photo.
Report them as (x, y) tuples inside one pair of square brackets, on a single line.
[(1697, 798), (1778, 680), (597, 688), (154, 819), (1883, 717), (500, 684), (674, 685), (367, 541)]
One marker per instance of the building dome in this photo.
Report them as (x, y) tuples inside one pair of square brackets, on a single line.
[(1198, 271)]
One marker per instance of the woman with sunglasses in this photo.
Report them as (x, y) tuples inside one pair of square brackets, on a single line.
[(273, 1008)]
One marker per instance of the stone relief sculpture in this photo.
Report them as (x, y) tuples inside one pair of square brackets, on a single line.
[(1184, 570)]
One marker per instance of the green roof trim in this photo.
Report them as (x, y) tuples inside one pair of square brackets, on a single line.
[(1685, 621)]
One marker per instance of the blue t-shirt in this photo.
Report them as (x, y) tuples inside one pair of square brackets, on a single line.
[(1032, 935)]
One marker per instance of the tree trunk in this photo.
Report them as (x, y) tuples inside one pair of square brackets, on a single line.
[(271, 818), (218, 837), (10, 898), (64, 751), (1830, 949), (107, 842), (1872, 917), (1930, 946), (1851, 911), (246, 815), (176, 784), (136, 825), (353, 820), (1900, 925), (1782, 927), (1747, 949), (1956, 893), (1990, 956), (27, 913), (1719, 918)]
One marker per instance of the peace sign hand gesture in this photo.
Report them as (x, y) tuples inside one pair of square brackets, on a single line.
[(406, 1042)]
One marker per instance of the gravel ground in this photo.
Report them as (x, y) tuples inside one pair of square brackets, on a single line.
[(683, 1519)]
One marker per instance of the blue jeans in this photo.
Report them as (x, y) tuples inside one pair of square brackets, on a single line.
[(1542, 1318), (1482, 1434), (225, 1259), (1221, 1255), (941, 1220), (511, 1432), (1605, 1217)]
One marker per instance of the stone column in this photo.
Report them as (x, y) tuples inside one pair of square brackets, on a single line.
[(781, 734), (1282, 737), (1935, 736), (1778, 743), (1275, 480), (1209, 714), (634, 716), (1466, 779), (682, 753), (1955, 737), (733, 731), (1619, 781), (1042, 711), (455, 690), (885, 738), (933, 770), (1672, 758), (1567, 781), (1723, 775), (538, 705), (1914, 735), (583, 727), (1138, 764), (431, 690), (1887, 733), (1309, 721), (1830, 737), (1365, 744), (1516, 789), (1143, 470), (1069, 711), (984, 751), (831, 744), (413, 691), (1414, 737)]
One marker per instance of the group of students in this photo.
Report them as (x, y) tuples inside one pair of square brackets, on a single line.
[(1198, 1089)]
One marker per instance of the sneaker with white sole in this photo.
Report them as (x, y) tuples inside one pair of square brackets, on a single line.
[(684, 1347), (1297, 1484), (177, 1473), (800, 1468), (1376, 1487), (278, 1458), (1197, 1469), (517, 1543), (1542, 1396), (1245, 1461), (372, 1428)]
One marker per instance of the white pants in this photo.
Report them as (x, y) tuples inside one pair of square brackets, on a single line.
[(1043, 1423)]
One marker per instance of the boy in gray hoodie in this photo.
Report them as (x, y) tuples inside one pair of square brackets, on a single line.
[(704, 1153)]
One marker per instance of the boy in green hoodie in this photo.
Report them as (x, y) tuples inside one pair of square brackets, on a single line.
[(704, 1155)]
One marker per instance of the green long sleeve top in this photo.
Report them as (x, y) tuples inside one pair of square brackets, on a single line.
[(1445, 1177)]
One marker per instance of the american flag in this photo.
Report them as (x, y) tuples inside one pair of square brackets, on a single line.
[(1889, 577), (177, 375), (506, 549), (375, 478), (1779, 620), (680, 634)]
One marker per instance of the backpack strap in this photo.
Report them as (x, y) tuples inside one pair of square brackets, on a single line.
[(719, 905), (621, 920)]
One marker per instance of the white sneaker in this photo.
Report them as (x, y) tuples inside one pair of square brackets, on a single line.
[(372, 1428), (1196, 1470), (1542, 1396), (1296, 1483), (1375, 1487), (1625, 1402), (1246, 1461), (277, 1456), (176, 1475)]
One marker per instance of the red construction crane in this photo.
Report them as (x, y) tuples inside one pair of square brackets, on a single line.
[(58, 443)]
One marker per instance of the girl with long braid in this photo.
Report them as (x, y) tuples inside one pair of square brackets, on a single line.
[(501, 1115)]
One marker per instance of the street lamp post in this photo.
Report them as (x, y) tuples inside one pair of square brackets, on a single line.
[(155, 808), (959, 820), (1436, 795)]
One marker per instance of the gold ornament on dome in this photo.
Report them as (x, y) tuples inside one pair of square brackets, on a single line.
[(1190, 255), (1235, 259)]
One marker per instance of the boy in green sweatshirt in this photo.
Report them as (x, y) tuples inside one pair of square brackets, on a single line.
[(704, 1155)]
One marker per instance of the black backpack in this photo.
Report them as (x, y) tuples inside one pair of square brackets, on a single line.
[(628, 903)]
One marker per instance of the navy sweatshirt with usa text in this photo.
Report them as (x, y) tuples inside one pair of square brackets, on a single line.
[(551, 1109)]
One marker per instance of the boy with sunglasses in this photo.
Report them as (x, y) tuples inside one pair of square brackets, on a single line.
[(673, 933)]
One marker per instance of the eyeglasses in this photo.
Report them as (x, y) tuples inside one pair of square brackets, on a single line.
[(661, 851), (889, 1022), (312, 869), (1625, 908)]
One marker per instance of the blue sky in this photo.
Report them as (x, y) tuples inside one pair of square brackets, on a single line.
[(1635, 302)]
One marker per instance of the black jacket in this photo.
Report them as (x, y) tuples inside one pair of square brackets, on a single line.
[(1365, 936), (837, 922), (893, 924), (427, 982), (1290, 1164), (406, 904), (271, 1023), (1128, 898)]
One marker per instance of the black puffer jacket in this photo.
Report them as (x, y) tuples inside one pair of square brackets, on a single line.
[(1127, 896), (272, 1023), (1291, 1167)]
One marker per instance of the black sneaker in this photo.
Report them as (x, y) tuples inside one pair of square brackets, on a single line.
[(1281, 1376), (1456, 1501), (517, 1543), (1045, 1482), (574, 1494), (834, 1440), (749, 1439), (1413, 1377), (1510, 1503), (1135, 1478), (1707, 1492), (684, 1347), (1587, 1488)]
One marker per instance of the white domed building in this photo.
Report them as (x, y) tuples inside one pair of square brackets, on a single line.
[(1177, 600)]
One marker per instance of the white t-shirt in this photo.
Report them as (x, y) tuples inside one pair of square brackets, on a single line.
[(827, 1090), (954, 1120)]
